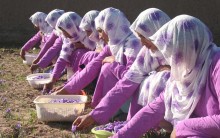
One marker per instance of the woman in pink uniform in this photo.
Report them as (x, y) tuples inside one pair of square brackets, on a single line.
[(38, 19), (190, 101), (144, 70), (88, 25), (52, 47), (114, 60), (75, 44)]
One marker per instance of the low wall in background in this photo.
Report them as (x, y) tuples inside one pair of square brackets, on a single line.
[(16, 28)]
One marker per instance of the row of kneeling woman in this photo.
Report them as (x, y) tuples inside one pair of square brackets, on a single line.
[(163, 72)]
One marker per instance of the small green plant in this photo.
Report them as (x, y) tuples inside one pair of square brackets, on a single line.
[(156, 134), (33, 117), (3, 101), (17, 129), (8, 114)]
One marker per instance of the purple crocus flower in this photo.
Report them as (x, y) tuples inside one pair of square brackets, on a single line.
[(18, 126), (4, 100), (8, 111), (64, 101), (112, 127), (73, 129), (2, 81)]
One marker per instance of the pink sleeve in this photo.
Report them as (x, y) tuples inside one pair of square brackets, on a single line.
[(119, 70), (113, 100), (148, 117), (88, 74), (202, 127), (216, 76), (59, 67), (51, 53), (208, 126), (32, 42), (47, 45)]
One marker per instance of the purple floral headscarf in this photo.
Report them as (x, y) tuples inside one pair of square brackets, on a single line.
[(147, 23), (88, 24), (187, 45), (53, 16), (121, 39), (38, 19), (88, 21), (152, 86), (70, 22)]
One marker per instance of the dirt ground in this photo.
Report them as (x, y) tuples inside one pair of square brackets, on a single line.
[(18, 116)]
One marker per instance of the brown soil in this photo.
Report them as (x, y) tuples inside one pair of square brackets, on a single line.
[(18, 96)]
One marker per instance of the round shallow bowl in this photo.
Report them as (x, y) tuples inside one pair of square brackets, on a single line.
[(38, 80), (101, 133), (29, 58)]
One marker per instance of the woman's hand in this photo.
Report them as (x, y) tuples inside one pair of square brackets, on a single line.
[(109, 59), (57, 88), (98, 50), (173, 134), (33, 67), (60, 92), (35, 61), (166, 125), (83, 122), (22, 54), (48, 86)]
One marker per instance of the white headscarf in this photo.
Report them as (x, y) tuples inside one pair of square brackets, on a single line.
[(53, 16), (121, 39), (38, 19), (152, 86), (147, 23), (88, 24), (70, 22), (186, 43), (88, 21)]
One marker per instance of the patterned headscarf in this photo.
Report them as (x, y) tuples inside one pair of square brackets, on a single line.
[(53, 16), (187, 45), (121, 39), (147, 23), (88, 24), (70, 22), (38, 19), (152, 86)]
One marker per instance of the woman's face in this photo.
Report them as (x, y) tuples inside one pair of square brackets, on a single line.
[(147, 42), (88, 32), (36, 27), (67, 35), (103, 35)]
